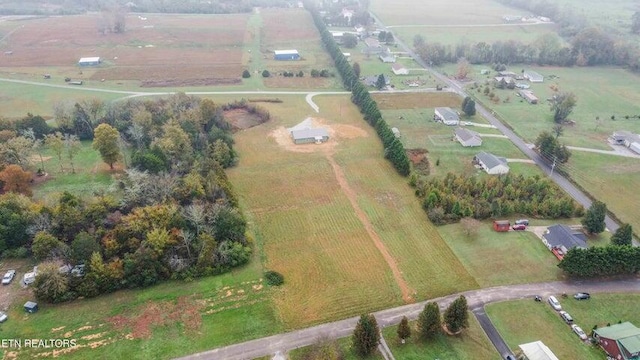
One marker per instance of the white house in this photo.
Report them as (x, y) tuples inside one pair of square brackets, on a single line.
[(447, 116), (537, 350), (491, 164), (533, 76), (467, 138), (399, 69)]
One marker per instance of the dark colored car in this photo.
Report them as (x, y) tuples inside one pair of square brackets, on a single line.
[(519, 227), (582, 296)]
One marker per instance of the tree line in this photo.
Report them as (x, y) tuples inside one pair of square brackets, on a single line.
[(393, 149), (602, 261), (172, 214), (453, 197)]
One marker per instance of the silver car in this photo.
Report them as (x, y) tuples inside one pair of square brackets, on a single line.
[(8, 276), (3, 316)]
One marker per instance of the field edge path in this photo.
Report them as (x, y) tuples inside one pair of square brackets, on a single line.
[(351, 196)]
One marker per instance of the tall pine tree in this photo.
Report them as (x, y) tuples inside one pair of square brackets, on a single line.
[(623, 236), (404, 331), (366, 335), (429, 321), (456, 316)]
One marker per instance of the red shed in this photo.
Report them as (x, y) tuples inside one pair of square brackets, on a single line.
[(501, 225)]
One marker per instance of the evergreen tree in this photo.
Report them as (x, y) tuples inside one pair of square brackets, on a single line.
[(366, 335), (470, 108), (456, 316), (381, 82), (593, 220), (404, 331), (429, 321), (623, 236), (356, 69)]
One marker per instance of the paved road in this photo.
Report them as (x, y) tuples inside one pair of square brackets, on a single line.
[(468, 25), (614, 152), (343, 328), (563, 182), (491, 331)]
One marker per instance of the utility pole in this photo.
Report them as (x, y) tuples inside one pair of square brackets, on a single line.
[(553, 166)]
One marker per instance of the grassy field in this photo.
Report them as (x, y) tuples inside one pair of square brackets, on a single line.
[(323, 210), (345, 345), (493, 259), (412, 114), (524, 321), (615, 16), (471, 344), (92, 175), (471, 12), (204, 313)]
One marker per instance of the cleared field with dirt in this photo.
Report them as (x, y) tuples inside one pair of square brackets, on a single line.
[(162, 47), (346, 231)]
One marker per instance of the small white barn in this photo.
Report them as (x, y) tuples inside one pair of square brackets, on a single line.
[(491, 164), (447, 116), (89, 61), (467, 138)]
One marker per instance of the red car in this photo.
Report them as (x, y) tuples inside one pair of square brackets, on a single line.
[(519, 227)]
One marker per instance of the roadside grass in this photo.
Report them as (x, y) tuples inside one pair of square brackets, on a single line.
[(471, 344), (92, 175), (232, 308), (524, 321), (345, 345), (610, 179), (311, 233), (492, 258)]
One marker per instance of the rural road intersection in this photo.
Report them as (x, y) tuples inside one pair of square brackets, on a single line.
[(476, 300)]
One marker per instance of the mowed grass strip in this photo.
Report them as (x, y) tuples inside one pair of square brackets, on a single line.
[(470, 345), (493, 259), (525, 321), (425, 260)]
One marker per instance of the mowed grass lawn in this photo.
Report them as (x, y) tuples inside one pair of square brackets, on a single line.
[(91, 173), (312, 234), (419, 131), (346, 345), (230, 308), (493, 258), (470, 345), (525, 321)]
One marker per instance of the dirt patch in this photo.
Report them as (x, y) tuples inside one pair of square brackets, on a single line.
[(419, 159), (186, 311), (257, 287), (241, 119), (36, 159), (57, 329), (336, 132)]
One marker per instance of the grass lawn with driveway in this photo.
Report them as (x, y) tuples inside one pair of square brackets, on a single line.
[(525, 321), (472, 344)]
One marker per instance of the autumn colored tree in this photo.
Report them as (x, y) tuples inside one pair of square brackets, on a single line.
[(105, 140), (51, 285), (46, 246), (55, 142), (16, 180)]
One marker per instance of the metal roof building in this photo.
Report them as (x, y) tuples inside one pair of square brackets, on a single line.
[(89, 61), (286, 55)]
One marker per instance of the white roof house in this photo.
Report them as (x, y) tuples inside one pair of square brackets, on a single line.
[(447, 116), (491, 164), (537, 350), (89, 61), (533, 76), (467, 138)]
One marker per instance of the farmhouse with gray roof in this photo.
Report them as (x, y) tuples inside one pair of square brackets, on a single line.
[(446, 115), (492, 164), (467, 138), (562, 238)]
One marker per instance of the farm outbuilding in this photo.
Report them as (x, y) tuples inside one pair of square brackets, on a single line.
[(619, 341), (286, 55), (528, 96), (399, 69), (305, 133), (537, 350), (501, 225), (30, 307), (533, 76), (89, 61)]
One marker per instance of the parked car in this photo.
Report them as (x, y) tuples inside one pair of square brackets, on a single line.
[(576, 329), (519, 227), (524, 222), (30, 277), (555, 304), (566, 317), (8, 276), (582, 296), (3, 316)]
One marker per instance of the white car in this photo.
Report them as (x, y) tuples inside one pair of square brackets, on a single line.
[(576, 329), (6, 280), (30, 277), (555, 304), (3, 316)]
